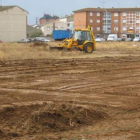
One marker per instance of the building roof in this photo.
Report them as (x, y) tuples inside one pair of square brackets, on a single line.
[(47, 17), (4, 8), (106, 9), (52, 22)]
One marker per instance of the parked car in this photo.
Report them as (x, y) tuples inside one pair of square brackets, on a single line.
[(32, 40), (98, 39), (24, 41), (136, 39), (112, 37), (129, 39), (39, 38), (124, 39), (120, 39), (45, 40)]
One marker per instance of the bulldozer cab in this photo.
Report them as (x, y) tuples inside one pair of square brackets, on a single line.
[(82, 36)]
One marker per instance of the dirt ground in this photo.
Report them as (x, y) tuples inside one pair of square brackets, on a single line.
[(72, 99)]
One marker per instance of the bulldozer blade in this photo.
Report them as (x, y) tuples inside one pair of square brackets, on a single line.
[(56, 48)]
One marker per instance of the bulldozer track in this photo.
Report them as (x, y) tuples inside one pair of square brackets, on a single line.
[(111, 85)]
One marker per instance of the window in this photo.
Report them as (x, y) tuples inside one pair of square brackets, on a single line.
[(98, 28), (124, 14), (124, 21), (115, 14), (48, 28), (98, 14), (91, 14), (108, 28), (130, 28), (124, 28), (98, 35), (137, 21), (115, 21), (82, 35), (91, 21), (131, 21), (91, 28), (115, 28), (137, 13), (98, 21), (137, 28)]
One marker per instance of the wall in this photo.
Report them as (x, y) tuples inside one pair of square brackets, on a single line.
[(13, 24), (94, 17), (70, 18), (80, 20)]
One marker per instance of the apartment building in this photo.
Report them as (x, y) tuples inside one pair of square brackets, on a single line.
[(125, 22)]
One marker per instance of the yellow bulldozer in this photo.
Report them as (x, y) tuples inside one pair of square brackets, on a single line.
[(83, 40)]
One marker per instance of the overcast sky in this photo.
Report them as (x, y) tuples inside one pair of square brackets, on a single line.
[(37, 8)]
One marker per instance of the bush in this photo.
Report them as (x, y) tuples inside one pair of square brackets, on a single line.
[(37, 34)]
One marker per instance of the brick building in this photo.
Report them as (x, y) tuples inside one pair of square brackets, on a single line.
[(47, 18), (125, 22)]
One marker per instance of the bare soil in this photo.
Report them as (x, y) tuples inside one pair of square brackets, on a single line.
[(71, 99)]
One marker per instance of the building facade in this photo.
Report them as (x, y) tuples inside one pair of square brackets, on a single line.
[(65, 23), (125, 22), (13, 23), (70, 22), (48, 28)]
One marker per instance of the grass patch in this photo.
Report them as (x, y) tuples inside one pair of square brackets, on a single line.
[(16, 51)]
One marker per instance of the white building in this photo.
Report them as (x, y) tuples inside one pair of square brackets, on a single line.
[(13, 22), (63, 20), (65, 23), (48, 28), (70, 22)]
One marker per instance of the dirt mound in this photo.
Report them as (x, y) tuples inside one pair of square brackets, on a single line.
[(63, 117), (37, 119), (13, 120), (1, 134), (4, 135)]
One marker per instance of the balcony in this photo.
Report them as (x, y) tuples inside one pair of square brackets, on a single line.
[(107, 18), (106, 26), (108, 31)]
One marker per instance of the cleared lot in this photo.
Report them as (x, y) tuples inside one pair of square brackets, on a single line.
[(71, 95)]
